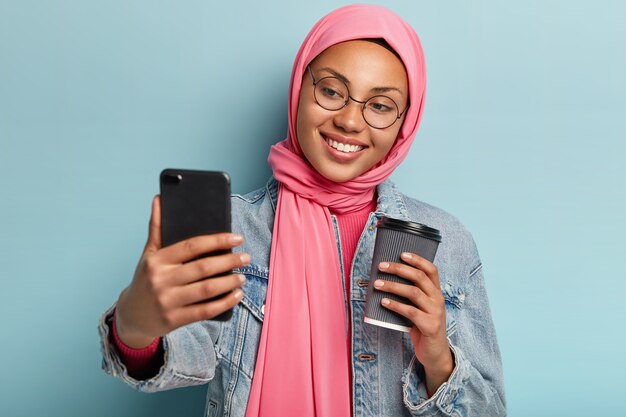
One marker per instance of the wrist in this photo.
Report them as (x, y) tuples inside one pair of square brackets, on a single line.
[(438, 373), (129, 340)]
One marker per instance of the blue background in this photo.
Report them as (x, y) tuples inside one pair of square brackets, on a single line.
[(523, 138)]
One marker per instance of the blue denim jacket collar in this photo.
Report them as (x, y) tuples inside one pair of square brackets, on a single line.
[(390, 201)]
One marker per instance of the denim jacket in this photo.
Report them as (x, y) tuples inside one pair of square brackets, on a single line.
[(388, 380)]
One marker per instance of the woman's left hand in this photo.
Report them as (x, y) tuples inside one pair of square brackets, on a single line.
[(427, 313)]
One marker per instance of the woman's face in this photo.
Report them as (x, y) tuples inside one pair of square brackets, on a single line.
[(368, 70)]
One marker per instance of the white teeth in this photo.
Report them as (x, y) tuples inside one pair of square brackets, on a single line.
[(343, 147)]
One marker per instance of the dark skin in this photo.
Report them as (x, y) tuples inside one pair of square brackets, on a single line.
[(427, 313), (169, 287)]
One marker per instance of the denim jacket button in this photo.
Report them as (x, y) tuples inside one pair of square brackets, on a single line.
[(263, 309)]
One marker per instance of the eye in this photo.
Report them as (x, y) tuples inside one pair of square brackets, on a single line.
[(330, 88), (381, 108), (330, 92), (381, 105)]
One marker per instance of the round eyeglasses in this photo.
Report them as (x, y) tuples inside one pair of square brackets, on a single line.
[(331, 93)]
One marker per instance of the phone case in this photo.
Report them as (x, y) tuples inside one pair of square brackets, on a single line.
[(195, 203)]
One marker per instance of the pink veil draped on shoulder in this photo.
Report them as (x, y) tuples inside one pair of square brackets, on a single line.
[(303, 367)]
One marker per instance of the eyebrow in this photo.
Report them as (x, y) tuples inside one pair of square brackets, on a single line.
[(345, 80)]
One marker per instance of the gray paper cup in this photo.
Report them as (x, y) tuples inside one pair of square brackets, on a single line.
[(392, 238)]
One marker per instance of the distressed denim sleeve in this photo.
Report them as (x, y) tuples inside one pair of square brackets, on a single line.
[(189, 357), (475, 387)]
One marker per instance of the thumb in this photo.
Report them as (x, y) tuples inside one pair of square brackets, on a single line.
[(154, 231)]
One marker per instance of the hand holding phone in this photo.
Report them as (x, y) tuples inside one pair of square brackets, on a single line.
[(170, 288)]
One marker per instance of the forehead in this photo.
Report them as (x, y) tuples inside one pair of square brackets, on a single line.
[(364, 63)]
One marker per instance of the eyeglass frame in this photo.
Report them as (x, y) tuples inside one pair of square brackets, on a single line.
[(363, 103)]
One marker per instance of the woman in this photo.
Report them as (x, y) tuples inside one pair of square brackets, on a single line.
[(297, 344)]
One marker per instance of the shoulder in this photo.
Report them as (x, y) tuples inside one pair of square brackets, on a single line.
[(255, 209), (448, 224), (253, 217), (457, 250), (258, 198)]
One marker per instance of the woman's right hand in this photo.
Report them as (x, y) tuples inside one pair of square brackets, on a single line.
[(170, 289)]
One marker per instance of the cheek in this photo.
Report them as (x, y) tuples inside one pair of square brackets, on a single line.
[(302, 123), (299, 124), (307, 121), (385, 142), (393, 135), (305, 131)]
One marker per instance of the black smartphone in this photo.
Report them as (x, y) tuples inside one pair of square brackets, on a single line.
[(195, 203)]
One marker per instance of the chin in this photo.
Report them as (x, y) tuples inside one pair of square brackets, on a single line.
[(334, 176)]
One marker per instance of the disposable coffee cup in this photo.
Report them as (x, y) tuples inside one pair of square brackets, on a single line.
[(393, 237)]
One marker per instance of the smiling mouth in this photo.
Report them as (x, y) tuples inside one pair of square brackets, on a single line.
[(343, 147)]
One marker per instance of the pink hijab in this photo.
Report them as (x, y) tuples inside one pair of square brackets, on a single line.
[(302, 368)]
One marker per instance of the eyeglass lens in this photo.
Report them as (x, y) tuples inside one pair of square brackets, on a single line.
[(379, 111)]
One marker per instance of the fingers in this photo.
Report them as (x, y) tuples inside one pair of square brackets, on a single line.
[(204, 311), (426, 308), (154, 230), (423, 265), (427, 314), (428, 284), (428, 324), (189, 249), (421, 319), (208, 267), (205, 289), (412, 293)]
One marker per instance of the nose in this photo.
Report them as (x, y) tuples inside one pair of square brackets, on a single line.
[(350, 117)]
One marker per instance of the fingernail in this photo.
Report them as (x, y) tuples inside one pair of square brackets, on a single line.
[(385, 301), (238, 294), (236, 238), (242, 278), (379, 283), (244, 258), (406, 255), (383, 265)]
